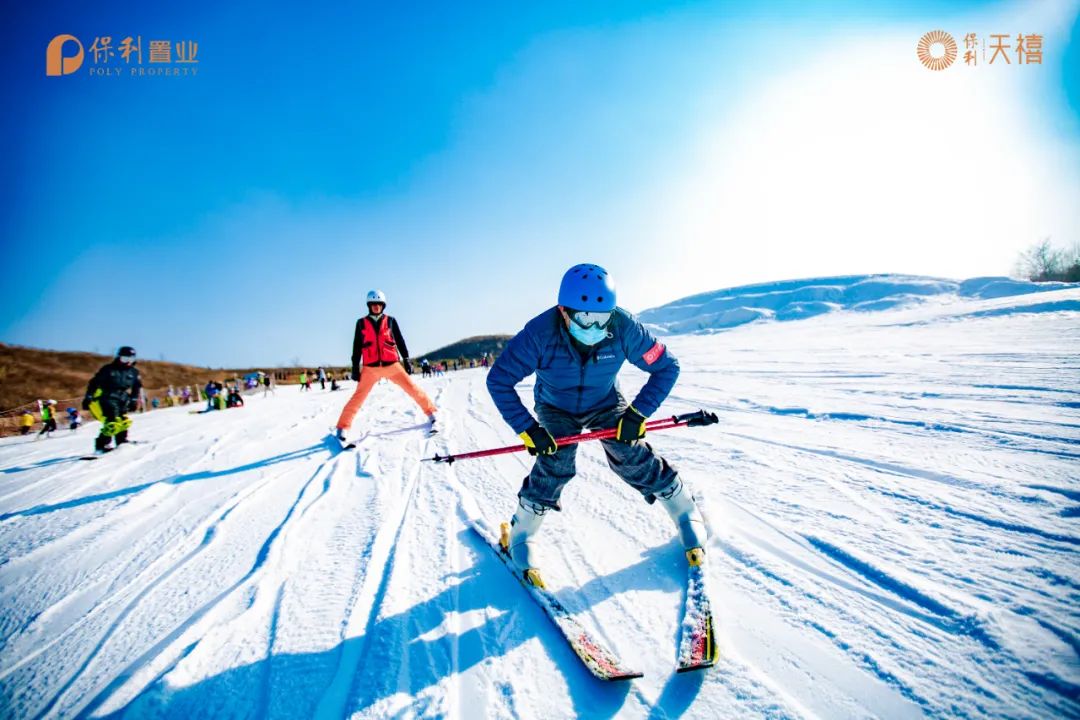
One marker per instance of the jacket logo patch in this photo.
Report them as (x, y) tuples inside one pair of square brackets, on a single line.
[(607, 356), (654, 353)]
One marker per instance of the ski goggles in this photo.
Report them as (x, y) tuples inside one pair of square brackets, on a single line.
[(590, 318), (127, 359)]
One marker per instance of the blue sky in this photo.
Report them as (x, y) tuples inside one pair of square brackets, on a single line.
[(461, 155)]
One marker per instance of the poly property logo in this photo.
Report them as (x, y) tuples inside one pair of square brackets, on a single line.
[(56, 62), (66, 55), (938, 50)]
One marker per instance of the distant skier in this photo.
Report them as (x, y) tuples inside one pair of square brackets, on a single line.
[(112, 393), (48, 417), (576, 349), (322, 378), (234, 399), (267, 386), (379, 346), (26, 423), (211, 391), (304, 385), (74, 419)]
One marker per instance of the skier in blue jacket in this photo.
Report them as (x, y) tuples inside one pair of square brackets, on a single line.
[(576, 350)]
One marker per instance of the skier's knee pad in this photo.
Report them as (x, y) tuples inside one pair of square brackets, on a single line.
[(675, 498), (523, 527)]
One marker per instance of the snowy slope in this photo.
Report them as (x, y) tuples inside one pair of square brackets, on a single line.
[(801, 299), (894, 498)]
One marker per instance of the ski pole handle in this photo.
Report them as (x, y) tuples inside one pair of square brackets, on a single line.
[(698, 418)]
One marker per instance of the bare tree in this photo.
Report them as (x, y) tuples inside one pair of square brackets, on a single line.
[(1041, 261), (1072, 263)]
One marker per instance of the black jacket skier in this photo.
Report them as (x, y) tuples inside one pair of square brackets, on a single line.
[(112, 393)]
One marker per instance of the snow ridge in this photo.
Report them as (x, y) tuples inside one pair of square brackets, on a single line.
[(803, 299)]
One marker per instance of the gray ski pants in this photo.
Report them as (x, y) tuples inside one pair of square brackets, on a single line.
[(635, 463)]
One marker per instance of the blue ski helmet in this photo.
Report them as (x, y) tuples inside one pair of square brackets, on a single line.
[(587, 287)]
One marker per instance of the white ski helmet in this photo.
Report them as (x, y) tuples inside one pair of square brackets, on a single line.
[(376, 296)]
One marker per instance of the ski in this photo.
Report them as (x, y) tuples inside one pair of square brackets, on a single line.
[(102, 453), (600, 661), (697, 644)]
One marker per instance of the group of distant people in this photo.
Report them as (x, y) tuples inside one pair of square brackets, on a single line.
[(320, 375), (220, 397), (48, 419), (173, 397), (430, 369)]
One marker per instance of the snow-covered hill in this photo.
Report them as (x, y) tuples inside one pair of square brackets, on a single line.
[(801, 299), (894, 498)]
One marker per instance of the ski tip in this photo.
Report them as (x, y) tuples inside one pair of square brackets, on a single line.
[(624, 676), (697, 666)]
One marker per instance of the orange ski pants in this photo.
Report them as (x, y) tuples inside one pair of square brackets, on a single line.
[(369, 376)]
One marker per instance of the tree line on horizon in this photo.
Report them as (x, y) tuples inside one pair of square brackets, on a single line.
[(1043, 262)]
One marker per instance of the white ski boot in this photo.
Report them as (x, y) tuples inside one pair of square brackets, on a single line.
[(687, 518), (516, 539)]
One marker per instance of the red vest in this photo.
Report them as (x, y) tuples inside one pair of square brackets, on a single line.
[(378, 347)]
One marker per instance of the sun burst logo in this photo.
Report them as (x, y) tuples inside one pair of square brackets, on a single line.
[(937, 50)]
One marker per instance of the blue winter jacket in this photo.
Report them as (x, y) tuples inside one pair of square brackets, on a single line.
[(570, 382)]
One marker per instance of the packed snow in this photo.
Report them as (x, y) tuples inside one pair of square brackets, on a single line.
[(801, 299), (893, 499)]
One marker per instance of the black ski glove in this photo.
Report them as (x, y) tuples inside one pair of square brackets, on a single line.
[(86, 402), (538, 441), (407, 364), (355, 372), (133, 405), (631, 427)]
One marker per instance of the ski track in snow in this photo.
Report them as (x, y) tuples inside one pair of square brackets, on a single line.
[(892, 503)]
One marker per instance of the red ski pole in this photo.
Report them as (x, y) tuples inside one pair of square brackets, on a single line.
[(694, 419)]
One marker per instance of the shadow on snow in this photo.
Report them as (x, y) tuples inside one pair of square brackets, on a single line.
[(323, 445), (403, 655)]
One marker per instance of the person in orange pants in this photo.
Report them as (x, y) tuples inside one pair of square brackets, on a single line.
[(379, 345)]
